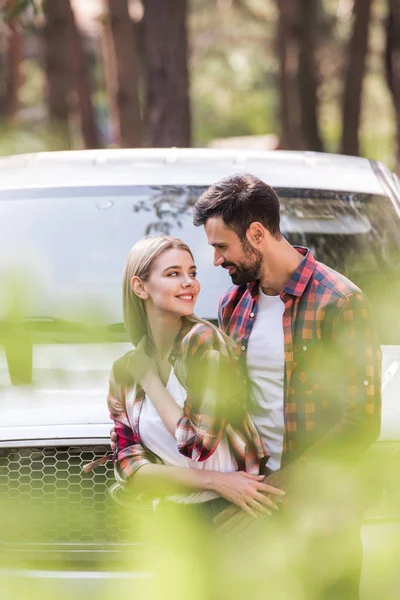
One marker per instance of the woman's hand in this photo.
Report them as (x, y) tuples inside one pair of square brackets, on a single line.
[(142, 368), (247, 491)]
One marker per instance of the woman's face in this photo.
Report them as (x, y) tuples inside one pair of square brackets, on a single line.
[(172, 286)]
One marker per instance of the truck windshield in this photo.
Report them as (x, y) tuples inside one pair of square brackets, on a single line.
[(63, 251)]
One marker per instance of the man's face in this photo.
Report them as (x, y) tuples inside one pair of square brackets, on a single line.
[(242, 261)]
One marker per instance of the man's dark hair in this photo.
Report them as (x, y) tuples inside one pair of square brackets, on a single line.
[(239, 200)]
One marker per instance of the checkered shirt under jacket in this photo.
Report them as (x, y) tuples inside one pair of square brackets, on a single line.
[(332, 385), (209, 411)]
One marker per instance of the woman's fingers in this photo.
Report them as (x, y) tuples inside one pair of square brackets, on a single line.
[(248, 510), (259, 506), (269, 489), (267, 501)]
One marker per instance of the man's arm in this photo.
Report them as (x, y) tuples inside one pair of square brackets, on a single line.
[(354, 340)]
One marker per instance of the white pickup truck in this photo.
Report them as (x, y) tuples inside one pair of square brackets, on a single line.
[(67, 221)]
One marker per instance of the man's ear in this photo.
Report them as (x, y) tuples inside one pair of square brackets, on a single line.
[(255, 233), (139, 288)]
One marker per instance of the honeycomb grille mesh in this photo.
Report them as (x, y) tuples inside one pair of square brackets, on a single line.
[(50, 499)]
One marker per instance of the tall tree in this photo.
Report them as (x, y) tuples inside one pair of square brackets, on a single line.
[(308, 79), (291, 134), (393, 66), (354, 77), (10, 62), (121, 46), (168, 121), (14, 59), (56, 38), (298, 81), (3, 79), (81, 80), (67, 72)]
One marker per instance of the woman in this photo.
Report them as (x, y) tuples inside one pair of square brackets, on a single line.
[(176, 399)]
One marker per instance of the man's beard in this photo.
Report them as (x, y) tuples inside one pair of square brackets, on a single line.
[(250, 270)]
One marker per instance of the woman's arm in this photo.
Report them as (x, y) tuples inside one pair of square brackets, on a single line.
[(130, 455), (142, 368), (245, 490)]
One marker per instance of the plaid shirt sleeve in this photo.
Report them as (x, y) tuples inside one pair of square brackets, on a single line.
[(356, 341), (208, 380), (130, 454)]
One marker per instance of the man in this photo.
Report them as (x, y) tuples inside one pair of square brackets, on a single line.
[(313, 365), (313, 362)]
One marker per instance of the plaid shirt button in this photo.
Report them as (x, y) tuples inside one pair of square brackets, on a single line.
[(252, 315), (366, 382), (304, 347), (243, 348)]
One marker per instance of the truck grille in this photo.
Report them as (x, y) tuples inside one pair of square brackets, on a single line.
[(48, 498)]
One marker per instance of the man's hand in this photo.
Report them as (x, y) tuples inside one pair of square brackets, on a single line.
[(248, 492), (234, 521)]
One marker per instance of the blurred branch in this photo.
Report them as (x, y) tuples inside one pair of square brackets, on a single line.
[(11, 9), (253, 13)]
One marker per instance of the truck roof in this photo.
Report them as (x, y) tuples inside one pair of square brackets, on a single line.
[(176, 166)]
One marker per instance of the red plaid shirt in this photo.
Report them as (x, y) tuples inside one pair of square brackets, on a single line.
[(332, 385), (207, 413)]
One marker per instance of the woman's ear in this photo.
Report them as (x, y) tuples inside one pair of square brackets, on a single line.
[(139, 288)]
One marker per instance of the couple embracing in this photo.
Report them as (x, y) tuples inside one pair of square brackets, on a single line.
[(232, 423)]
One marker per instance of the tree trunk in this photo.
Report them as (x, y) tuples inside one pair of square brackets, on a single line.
[(56, 37), (110, 69), (291, 134), (166, 73), (308, 83), (82, 84), (14, 59), (125, 88), (356, 64), (3, 81), (393, 66), (298, 83)]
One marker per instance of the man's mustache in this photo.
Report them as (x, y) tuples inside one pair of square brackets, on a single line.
[(226, 265)]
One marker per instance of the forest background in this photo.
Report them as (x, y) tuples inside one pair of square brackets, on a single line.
[(318, 75)]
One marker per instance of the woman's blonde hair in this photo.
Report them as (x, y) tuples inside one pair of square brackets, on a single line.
[(139, 263)]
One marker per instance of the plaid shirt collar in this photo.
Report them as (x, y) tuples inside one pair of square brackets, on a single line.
[(300, 278)]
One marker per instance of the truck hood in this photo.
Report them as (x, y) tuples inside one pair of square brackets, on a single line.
[(78, 409), (70, 403)]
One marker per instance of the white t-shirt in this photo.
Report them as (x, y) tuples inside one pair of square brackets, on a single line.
[(266, 366), (156, 437)]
